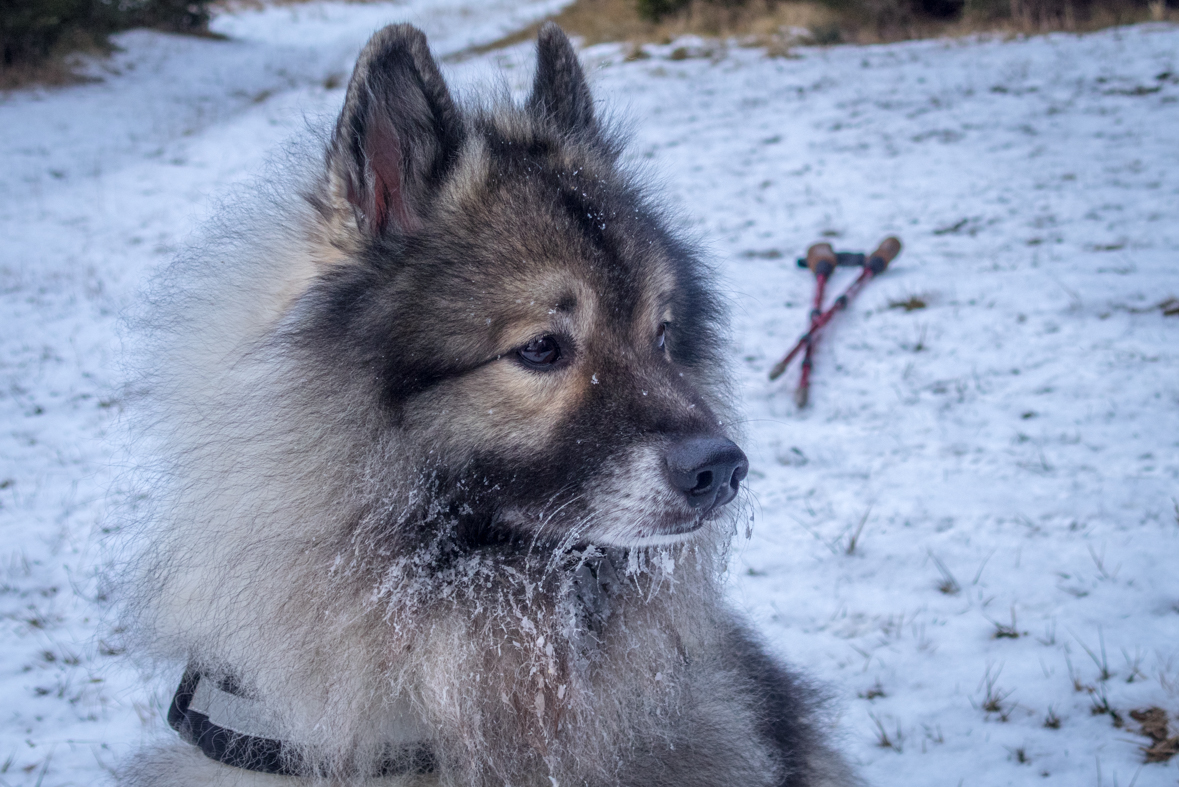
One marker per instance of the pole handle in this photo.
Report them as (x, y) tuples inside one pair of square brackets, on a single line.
[(885, 253), (821, 259)]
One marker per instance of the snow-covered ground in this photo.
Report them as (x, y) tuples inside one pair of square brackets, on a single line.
[(973, 522)]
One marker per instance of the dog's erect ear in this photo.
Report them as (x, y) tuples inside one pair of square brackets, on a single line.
[(398, 134), (560, 93)]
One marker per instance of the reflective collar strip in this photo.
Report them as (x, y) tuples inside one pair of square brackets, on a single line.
[(235, 730)]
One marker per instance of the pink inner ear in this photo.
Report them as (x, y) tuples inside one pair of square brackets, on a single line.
[(387, 169)]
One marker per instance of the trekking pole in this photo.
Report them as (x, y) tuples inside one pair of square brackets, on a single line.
[(876, 264), (804, 381), (821, 260)]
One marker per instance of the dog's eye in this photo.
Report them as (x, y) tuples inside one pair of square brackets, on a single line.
[(541, 352), (661, 335)]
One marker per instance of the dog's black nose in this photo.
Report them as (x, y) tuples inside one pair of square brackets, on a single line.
[(708, 470)]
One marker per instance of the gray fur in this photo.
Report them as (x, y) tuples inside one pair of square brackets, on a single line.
[(559, 93), (362, 500)]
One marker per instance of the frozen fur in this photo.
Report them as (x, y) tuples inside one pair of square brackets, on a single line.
[(362, 501)]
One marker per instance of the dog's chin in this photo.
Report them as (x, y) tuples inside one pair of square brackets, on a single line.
[(671, 527), (666, 530)]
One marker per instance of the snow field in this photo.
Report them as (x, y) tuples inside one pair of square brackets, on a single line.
[(1014, 441)]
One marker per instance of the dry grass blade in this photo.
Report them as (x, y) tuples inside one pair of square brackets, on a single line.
[(1154, 725), (1153, 722), (855, 537), (1162, 751), (1102, 663)]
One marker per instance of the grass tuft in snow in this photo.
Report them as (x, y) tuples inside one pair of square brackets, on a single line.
[(948, 585), (912, 303), (1102, 662), (1007, 631), (1100, 705), (994, 698), (873, 691), (886, 740)]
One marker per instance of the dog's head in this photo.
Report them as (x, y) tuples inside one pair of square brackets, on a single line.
[(516, 309)]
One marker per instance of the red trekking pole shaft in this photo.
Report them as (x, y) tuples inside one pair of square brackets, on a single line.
[(821, 259), (804, 381), (873, 266)]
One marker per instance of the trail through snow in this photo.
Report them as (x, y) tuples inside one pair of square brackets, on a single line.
[(973, 530)]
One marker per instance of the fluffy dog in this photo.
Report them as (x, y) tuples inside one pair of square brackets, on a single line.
[(444, 469)]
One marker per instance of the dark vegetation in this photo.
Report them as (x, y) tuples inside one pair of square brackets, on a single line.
[(37, 35), (897, 15), (775, 24)]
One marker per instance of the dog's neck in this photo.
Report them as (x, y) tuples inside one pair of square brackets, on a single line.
[(237, 730)]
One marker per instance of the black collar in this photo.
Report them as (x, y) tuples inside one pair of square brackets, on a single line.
[(248, 746)]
